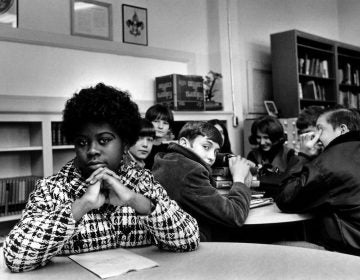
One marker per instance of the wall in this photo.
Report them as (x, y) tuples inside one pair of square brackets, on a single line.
[(71, 69), (349, 26), (185, 36)]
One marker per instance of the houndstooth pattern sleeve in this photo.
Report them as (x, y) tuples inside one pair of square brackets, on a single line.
[(170, 226), (41, 233)]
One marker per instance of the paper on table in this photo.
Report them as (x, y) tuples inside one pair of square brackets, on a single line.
[(113, 262)]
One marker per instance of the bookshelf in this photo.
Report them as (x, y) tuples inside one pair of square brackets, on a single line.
[(27, 152), (304, 68), (348, 65)]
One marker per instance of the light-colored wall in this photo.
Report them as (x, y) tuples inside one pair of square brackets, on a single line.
[(196, 28), (349, 21)]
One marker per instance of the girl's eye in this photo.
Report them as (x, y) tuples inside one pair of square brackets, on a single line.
[(206, 148), (104, 140), (81, 142)]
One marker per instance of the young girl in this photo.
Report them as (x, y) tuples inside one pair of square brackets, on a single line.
[(268, 135), (95, 201), (162, 118), (142, 148)]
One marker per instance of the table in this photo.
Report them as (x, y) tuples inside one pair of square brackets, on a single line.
[(216, 261), (267, 224), (271, 214)]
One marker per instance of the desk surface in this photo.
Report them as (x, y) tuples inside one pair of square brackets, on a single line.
[(271, 214), (216, 261)]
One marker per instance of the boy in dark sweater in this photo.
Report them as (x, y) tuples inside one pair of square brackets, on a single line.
[(185, 172)]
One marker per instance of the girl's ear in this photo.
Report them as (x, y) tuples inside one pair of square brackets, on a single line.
[(184, 142)]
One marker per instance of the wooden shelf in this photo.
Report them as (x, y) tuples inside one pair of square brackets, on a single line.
[(20, 149), (63, 147), (10, 218)]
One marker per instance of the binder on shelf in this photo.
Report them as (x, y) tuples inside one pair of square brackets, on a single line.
[(309, 90)]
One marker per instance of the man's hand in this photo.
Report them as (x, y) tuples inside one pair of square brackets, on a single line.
[(310, 144), (240, 170)]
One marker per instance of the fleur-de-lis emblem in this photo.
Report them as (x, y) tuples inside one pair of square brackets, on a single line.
[(135, 25)]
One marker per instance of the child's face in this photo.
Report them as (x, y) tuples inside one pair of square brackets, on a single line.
[(161, 127), (98, 145), (205, 148), (263, 141), (142, 147)]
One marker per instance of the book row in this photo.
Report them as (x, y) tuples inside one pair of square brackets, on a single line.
[(314, 67), (57, 135), (312, 90), (349, 75), (14, 193), (349, 99)]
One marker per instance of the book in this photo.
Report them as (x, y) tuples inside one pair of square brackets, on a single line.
[(302, 65), (112, 262), (300, 91), (307, 65), (324, 69)]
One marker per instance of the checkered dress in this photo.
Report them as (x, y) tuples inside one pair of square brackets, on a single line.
[(47, 227)]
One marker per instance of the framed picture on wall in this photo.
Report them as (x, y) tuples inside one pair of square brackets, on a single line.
[(9, 13), (271, 108), (135, 26), (91, 19)]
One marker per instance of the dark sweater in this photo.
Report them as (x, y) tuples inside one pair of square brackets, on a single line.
[(330, 186), (187, 179)]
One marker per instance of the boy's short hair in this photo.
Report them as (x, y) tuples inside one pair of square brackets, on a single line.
[(337, 117), (308, 117), (226, 145), (147, 129), (102, 104), (160, 112), (195, 128)]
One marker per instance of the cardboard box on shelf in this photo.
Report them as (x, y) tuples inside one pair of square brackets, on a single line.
[(180, 92)]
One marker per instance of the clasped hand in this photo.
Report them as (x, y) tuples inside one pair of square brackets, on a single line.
[(104, 186)]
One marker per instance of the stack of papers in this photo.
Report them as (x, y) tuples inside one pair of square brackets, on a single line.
[(114, 262)]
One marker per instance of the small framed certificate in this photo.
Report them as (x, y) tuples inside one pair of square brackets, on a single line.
[(271, 108), (91, 19)]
